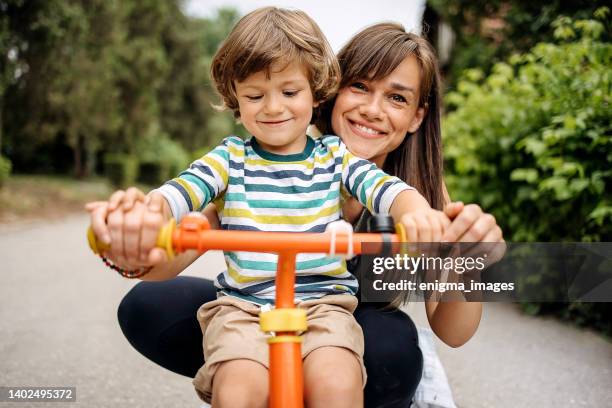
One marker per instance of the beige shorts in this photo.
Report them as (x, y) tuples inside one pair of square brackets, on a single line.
[(231, 332)]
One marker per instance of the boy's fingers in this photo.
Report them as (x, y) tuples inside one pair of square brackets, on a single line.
[(151, 224), (157, 256), (436, 226), (424, 228), (132, 229), (115, 200), (411, 229), (155, 202), (115, 228)]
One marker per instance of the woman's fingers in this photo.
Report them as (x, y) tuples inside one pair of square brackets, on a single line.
[(479, 229), (115, 199), (462, 223), (453, 209), (97, 212), (132, 195)]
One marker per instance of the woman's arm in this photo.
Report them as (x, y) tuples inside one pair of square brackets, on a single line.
[(455, 322)]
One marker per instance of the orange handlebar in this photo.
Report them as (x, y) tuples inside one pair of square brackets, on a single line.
[(194, 233)]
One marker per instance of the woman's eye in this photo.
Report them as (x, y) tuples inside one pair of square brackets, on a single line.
[(398, 98), (290, 93), (359, 86)]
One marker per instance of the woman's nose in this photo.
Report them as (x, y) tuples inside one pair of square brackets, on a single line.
[(372, 108)]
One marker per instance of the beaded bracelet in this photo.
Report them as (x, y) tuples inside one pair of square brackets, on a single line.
[(133, 274)]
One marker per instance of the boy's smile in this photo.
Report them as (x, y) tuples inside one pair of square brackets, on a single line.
[(276, 108)]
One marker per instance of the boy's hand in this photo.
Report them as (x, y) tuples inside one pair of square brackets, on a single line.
[(426, 225), (134, 233), (99, 210)]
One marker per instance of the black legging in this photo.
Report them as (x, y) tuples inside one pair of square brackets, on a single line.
[(159, 320)]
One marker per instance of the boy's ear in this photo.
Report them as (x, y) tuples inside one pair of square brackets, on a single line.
[(316, 104)]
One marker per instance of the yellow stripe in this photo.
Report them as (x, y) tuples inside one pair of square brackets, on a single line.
[(335, 272), (235, 151), (281, 219), (195, 201), (240, 278), (218, 168), (306, 163)]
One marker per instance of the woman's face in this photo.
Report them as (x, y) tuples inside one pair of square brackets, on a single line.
[(373, 117)]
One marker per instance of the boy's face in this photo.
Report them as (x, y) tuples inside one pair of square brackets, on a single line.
[(277, 110)]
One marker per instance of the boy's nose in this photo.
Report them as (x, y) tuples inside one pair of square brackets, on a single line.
[(273, 105)]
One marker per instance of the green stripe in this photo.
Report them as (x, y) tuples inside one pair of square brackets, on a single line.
[(366, 185), (291, 189), (241, 197), (201, 186)]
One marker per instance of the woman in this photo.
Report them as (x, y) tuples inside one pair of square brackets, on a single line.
[(387, 110)]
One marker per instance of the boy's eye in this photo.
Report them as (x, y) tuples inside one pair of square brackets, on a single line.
[(398, 98), (290, 93), (359, 86), (253, 97)]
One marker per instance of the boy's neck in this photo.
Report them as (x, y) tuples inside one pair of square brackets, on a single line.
[(293, 152)]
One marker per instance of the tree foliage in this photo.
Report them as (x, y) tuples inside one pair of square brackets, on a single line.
[(532, 141), (84, 78), (489, 31)]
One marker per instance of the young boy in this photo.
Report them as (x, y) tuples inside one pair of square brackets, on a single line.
[(272, 71)]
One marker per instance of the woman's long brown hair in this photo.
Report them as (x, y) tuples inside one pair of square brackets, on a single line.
[(373, 54)]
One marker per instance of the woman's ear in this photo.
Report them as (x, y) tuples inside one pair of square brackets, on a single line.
[(418, 119)]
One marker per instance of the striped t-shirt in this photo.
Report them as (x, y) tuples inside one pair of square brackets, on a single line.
[(256, 190)]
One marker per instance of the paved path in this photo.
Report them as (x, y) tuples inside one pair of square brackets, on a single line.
[(58, 328)]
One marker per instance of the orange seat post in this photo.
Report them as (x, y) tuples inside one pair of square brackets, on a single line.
[(286, 374)]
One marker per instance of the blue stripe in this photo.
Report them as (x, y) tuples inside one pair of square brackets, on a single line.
[(203, 168), (378, 198), (183, 192), (204, 187)]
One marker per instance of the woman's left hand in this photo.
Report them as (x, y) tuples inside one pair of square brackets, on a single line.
[(470, 224)]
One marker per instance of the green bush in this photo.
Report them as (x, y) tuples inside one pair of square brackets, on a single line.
[(121, 169), (5, 169), (161, 159), (532, 143)]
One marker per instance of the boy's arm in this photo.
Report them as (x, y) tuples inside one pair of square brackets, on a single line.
[(205, 180)]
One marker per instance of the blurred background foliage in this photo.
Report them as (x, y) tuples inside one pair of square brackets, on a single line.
[(128, 79), (121, 88)]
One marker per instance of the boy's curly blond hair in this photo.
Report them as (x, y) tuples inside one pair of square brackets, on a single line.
[(268, 36)]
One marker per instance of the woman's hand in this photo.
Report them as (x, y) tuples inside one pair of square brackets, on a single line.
[(471, 224)]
